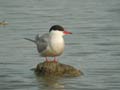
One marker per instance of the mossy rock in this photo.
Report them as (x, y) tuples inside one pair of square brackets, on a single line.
[(3, 23), (56, 69)]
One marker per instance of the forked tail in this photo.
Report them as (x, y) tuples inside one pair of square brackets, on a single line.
[(30, 40)]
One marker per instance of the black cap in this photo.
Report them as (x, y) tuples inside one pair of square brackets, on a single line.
[(56, 27)]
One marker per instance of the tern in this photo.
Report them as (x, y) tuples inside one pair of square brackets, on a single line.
[(51, 44)]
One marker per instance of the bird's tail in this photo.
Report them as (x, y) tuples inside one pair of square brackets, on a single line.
[(30, 40)]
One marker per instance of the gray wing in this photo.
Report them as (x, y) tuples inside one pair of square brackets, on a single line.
[(41, 42)]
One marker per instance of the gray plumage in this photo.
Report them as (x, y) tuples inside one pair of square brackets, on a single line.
[(41, 42), (51, 44)]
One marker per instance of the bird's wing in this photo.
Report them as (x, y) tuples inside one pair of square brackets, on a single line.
[(41, 42)]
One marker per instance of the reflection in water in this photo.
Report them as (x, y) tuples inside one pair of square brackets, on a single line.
[(50, 83), (94, 45)]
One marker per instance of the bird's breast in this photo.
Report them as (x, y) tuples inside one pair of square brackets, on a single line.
[(57, 44)]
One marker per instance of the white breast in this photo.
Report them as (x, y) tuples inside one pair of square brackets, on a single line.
[(57, 43)]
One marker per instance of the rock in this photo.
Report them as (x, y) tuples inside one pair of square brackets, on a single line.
[(56, 69), (3, 23)]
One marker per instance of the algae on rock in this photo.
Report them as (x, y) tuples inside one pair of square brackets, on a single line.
[(56, 69)]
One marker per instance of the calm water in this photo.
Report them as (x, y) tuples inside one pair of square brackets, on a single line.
[(94, 46)]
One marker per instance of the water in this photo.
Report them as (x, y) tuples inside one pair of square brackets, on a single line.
[(94, 46)]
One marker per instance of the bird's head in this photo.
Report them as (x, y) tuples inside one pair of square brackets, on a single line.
[(58, 30)]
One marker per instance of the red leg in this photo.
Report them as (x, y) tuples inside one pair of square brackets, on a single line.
[(46, 59), (55, 60)]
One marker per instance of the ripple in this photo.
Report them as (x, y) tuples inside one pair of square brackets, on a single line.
[(108, 44), (116, 54), (83, 53), (116, 10)]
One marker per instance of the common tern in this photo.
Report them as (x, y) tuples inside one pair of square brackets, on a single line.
[(51, 44)]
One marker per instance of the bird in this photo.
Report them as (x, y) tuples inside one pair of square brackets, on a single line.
[(51, 44)]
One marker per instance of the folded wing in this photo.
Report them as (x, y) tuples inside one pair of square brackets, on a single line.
[(41, 42)]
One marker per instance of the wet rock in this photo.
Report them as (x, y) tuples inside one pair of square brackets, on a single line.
[(56, 69), (3, 23)]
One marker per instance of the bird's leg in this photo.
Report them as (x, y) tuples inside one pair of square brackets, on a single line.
[(46, 59), (55, 60)]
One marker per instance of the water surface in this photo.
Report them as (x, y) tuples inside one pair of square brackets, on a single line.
[(94, 46)]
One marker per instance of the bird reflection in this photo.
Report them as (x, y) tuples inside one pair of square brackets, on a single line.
[(49, 82)]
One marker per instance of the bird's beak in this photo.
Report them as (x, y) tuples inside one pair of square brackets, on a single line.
[(67, 32)]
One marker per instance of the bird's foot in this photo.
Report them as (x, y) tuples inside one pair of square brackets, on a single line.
[(55, 61), (47, 61)]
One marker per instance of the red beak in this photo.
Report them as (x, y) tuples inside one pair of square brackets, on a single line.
[(66, 32)]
